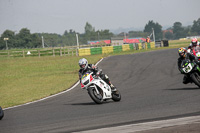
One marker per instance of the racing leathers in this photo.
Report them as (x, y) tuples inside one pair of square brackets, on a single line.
[(191, 45), (98, 72)]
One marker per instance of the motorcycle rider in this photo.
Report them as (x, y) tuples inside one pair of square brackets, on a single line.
[(193, 44), (84, 67), (184, 55)]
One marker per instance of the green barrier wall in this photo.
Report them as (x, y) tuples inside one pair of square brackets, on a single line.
[(96, 51), (131, 46), (148, 45), (117, 49)]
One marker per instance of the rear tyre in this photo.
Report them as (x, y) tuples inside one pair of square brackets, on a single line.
[(1, 113), (97, 98), (196, 78), (116, 96)]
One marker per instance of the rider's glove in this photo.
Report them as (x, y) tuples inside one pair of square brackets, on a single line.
[(189, 50), (99, 72)]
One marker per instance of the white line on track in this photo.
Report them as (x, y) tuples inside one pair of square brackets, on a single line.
[(51, 95)]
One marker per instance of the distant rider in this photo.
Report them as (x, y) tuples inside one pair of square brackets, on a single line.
[(182, 56), (84, 67), (193, 44)]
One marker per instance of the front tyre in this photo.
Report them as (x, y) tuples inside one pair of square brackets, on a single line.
[(196, 78), (97, 98), (116, 96)]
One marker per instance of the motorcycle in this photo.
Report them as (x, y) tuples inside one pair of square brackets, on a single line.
[(192, 70), (1, 113), (98, 90)]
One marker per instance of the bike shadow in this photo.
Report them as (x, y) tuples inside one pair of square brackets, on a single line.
[(190, 88), (89, 103)]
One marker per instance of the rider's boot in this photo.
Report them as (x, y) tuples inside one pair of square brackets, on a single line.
[(107, 80), (186, 80), (113, 88)]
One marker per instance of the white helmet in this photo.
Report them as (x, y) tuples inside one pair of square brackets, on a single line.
[(83, 63)]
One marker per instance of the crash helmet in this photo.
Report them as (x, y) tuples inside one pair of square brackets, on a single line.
[(83, 63), (194, 42), (181, 51)]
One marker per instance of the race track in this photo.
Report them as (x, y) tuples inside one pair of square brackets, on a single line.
[(151, 88)]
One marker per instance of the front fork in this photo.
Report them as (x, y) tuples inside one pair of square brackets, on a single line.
[(95, 89)]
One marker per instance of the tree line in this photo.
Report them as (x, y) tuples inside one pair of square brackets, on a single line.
[(24, 39)]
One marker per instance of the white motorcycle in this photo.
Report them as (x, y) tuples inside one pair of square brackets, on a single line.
[(98, 89)]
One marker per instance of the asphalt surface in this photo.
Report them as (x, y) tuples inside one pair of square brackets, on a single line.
[(151, 88)]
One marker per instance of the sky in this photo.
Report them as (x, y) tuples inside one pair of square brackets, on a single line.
[(56, 16)]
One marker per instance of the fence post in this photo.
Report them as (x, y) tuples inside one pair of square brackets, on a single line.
[(64, 52), (60, 51), (8, 53), (23, 54), (77, 52), (53, 52), (39, 53), (72, 52)]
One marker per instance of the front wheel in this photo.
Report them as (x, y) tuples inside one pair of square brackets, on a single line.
[(97, 98), (196, 78), (116, 96)]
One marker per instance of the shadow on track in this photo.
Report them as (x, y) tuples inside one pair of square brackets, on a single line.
[(191, 88), (90, 103)]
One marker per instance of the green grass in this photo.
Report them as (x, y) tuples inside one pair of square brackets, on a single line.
[(28, 79)]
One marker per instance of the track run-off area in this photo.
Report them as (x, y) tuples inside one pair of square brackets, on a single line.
[(151, 88)]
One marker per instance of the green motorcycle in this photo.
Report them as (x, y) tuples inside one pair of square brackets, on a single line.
[(192, 70)]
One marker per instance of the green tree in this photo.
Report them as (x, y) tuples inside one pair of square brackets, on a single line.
[(24, 38), (11, 42), (104, 34), (36, 41), (157, 29), (148, 27), (169, 35), (89, 28), (178, 30), (196, 27), (135, 34)]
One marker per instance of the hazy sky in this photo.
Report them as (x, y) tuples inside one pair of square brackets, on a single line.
[(56, 16)]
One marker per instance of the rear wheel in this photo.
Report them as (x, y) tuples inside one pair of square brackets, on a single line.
[(1, 113), (196, 78), (97, 98), (116, 96)]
